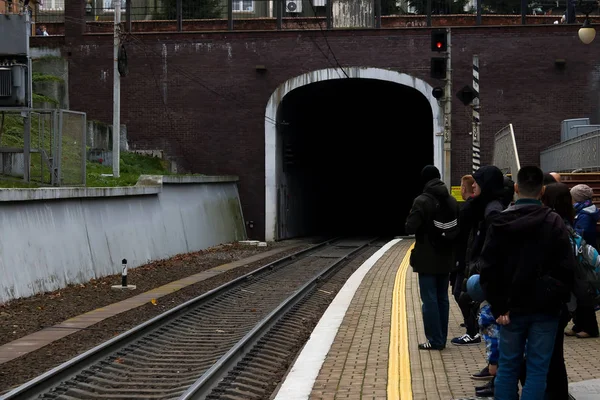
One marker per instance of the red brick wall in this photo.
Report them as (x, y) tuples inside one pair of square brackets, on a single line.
[(212, 121)]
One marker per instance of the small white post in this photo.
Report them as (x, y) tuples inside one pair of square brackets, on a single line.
[(124, 284)]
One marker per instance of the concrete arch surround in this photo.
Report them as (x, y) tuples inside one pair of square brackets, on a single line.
[(273, 167)]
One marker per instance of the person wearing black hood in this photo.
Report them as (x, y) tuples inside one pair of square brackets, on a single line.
[(489, 194), (509, 192), (433, 254)]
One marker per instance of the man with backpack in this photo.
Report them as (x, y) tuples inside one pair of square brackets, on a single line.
[(433, 219), (527, 267)]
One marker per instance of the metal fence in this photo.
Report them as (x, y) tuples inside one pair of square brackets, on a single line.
[(169, 15), (578, 154), (55, 153)]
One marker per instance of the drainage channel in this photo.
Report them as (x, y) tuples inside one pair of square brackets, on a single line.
[(190, 348)]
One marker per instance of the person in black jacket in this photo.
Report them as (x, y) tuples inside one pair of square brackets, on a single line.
[(465, 303), (526, 273), (489, 191), (433, 263), (465, 216), (485, 204)]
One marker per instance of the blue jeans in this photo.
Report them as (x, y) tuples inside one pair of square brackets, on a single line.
[(436, 307), (538, 331)]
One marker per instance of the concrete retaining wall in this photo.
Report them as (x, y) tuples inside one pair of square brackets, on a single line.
[(53, 237)]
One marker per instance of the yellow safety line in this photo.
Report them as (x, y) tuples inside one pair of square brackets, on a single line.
[(399, 378)]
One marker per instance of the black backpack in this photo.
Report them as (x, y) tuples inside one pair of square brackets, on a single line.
[(587, 268), (444, 229)]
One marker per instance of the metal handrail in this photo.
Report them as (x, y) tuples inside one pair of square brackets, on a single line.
[(580, 153)]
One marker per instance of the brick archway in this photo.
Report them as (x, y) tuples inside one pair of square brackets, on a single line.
[(271, 141)]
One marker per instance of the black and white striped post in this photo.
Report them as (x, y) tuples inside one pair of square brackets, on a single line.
[(123, 284), (124, 273), (476, 121)]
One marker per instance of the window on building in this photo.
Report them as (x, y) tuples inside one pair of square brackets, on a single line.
[(109, 5), (52, 5), (243, 6)]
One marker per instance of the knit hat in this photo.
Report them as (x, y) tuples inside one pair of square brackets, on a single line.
[(428, 173), (581, 193)]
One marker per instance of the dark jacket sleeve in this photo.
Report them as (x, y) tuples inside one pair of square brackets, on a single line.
[(491, 277), (417, 216), (491, 211)]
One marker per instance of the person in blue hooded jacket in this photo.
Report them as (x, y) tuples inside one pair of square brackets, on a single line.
[(586, 214), (586, 217)]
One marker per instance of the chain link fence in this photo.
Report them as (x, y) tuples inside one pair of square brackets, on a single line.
[(72, 125), (56, 146)]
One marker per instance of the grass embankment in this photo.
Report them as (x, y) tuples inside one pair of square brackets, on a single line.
[(131, 165)]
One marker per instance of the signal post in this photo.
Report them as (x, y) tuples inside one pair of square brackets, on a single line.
[(441, 68)]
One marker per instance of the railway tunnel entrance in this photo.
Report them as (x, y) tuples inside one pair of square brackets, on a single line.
[(347, 154)]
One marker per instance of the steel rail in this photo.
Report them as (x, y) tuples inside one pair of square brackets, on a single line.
[(211, 378), (71, 368)]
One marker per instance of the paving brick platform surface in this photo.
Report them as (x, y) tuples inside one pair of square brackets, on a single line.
[(356, 366), (445, 375)]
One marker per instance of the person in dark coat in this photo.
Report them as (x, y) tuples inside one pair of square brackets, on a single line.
[(432, 263), (586, 218), (527, 273), (464, 301)]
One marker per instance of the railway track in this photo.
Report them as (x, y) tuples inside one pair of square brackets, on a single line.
[(186, 352)]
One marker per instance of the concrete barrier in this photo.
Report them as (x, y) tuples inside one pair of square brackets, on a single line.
[(53, 237)]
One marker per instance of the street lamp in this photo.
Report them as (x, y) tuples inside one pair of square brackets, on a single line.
[(587, 33)]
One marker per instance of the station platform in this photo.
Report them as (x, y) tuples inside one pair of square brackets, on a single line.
[(366, 344)]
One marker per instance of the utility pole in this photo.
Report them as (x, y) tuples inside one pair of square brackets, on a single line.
[(116, 93), (476, 120), (448, 113)]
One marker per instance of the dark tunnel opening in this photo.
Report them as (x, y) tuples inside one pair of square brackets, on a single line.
[(350, 155)]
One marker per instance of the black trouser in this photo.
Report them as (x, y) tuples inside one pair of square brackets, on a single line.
[(585, 320), (456, 281), (469, 310), (557, 382)]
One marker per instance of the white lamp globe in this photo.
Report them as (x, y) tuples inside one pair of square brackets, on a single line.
[(587, 33)]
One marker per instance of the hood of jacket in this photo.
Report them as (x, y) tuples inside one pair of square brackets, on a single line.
[(491, 181), (525, 218), (589, 208), (437, 188)]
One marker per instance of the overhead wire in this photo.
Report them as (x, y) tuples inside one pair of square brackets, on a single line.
[(325, 37)]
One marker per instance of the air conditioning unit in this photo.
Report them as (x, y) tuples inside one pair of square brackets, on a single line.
[(13, 84), (293, 6), (319, 3)]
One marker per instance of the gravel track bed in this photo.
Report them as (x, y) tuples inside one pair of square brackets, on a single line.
[(263, 369), (76, 300)]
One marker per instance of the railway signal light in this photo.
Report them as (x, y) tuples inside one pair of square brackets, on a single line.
[(438, 67), (439, 40), (437, 92), (439, 44)]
